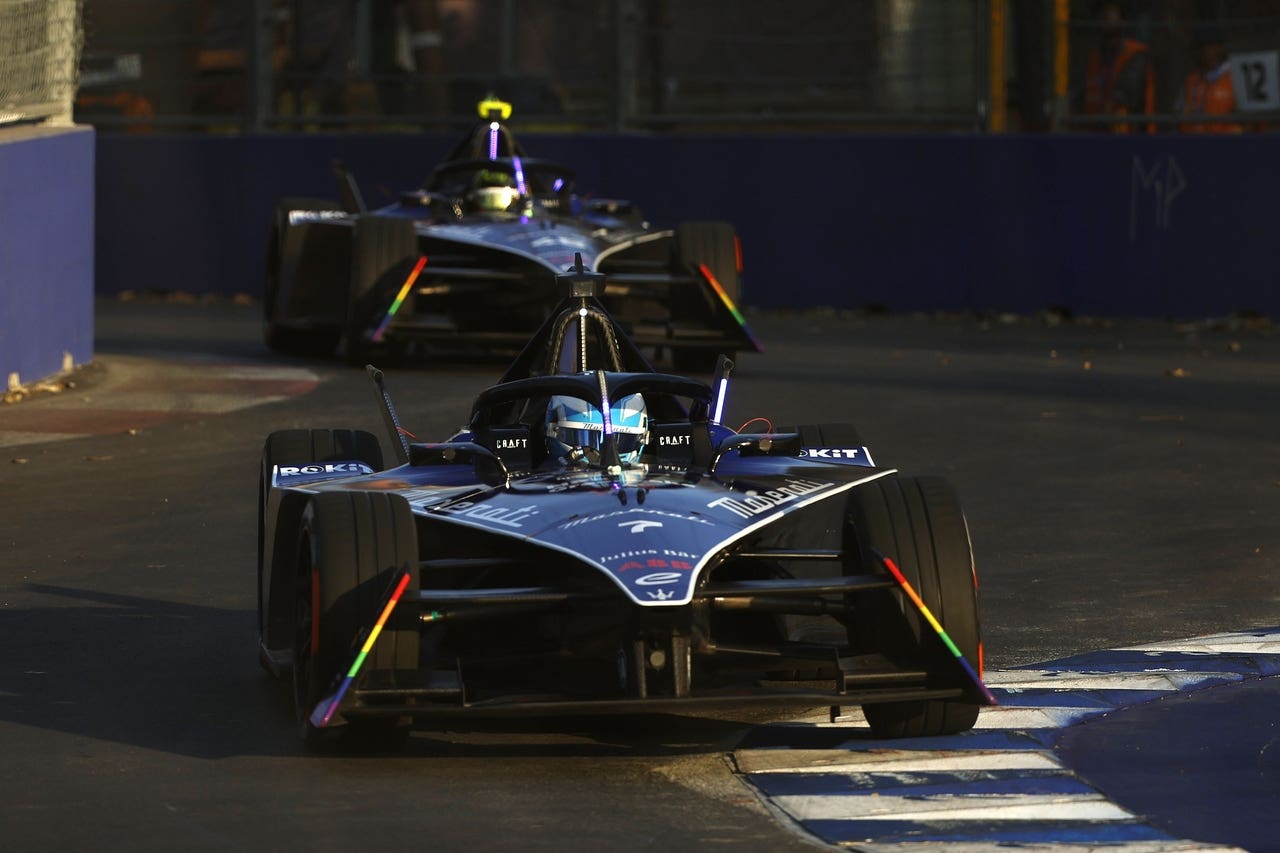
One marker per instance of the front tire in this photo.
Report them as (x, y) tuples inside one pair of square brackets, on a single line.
[(380, 245), (352, 548), (918, 523), (278, 335), (299, 447), (715, 245)]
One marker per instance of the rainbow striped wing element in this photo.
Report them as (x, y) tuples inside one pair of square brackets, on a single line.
[(325, 708), (936, 625), (399, 300), (728, 303)]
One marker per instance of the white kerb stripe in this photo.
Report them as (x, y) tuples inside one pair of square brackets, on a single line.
[(923, 762), (1069, 807), (1154, 679)]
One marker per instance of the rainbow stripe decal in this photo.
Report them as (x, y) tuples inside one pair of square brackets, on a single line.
[(323, 713), (521, 186), (728, 303), (937, 626), (399, 300)]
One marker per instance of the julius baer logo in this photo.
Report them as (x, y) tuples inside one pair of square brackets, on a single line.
[(751, 504)]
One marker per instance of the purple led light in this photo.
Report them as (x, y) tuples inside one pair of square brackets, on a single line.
[(724, 384), (555, 187), (520, 187)]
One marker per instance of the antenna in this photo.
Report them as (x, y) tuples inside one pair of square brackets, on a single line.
[(389, 417), (584, 285)]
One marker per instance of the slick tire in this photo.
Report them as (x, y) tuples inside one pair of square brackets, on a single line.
[(352, 548), (280, 336), (714, 244), (918, 523), (383, 251), (303, 447)]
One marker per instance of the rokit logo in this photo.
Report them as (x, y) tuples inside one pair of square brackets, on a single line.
[(751, 504), (299, 216), (326, 468)]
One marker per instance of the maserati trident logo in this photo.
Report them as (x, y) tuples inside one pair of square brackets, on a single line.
[(661, 595), (639, 526)]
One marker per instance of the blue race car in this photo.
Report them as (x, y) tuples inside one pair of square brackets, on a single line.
[(469, 262), (596, 540)]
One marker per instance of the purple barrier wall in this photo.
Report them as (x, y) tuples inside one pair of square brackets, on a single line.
[(1158, 226), (46, 250)]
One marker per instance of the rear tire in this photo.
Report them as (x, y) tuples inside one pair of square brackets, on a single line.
[(280, 337), (381, 245), (352, 548), (918, 523)]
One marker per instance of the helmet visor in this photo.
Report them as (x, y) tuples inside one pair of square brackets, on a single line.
[(591, 438)]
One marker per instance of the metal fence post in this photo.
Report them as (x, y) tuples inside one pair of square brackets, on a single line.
[(260, 83), (507, 43), (1061, 61), (626, 24), (996, 76)]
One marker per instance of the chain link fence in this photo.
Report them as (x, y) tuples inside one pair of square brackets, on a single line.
[(602, 64), (654, 65), (39, 59)]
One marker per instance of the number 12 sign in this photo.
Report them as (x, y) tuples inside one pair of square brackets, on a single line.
[(1254, 77)]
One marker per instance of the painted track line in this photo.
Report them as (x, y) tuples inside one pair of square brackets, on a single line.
[(1001, 783)]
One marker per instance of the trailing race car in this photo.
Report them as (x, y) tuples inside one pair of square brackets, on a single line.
[(470, 261), (597, 540)]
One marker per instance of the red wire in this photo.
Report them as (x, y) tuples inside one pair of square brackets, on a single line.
[(768, 424)]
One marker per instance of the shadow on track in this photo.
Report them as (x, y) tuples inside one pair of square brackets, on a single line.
[(155, 674)]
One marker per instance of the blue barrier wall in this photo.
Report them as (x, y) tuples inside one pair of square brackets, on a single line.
[(1158, 226), (46, 250)]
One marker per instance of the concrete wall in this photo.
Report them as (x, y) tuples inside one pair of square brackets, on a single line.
[(46, 250), (1158, 226)]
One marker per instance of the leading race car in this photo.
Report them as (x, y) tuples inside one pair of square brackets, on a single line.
[(597, 540), (469, 261)]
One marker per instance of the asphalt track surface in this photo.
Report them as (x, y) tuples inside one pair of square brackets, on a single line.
[(1121, 483)]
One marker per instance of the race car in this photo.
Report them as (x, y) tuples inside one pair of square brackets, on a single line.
[(468, 262), (597, 540)]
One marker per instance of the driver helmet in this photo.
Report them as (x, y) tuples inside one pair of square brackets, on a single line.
[(575, 428), (493, 190)]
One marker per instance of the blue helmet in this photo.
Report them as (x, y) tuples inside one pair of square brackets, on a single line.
[(575, 428)]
